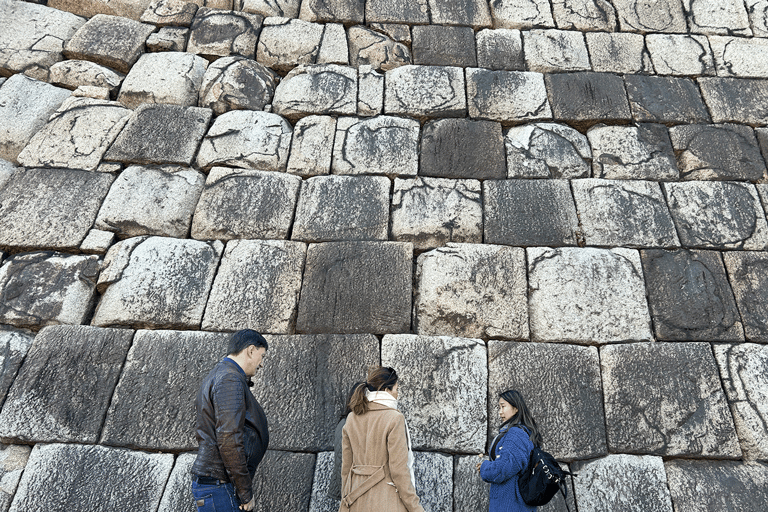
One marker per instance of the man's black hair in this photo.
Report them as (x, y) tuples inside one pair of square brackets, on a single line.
[(244, 339)]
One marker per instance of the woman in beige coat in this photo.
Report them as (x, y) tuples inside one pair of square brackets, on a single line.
[(377, 462)]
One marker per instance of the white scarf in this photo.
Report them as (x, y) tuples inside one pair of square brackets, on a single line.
[(387, 400)]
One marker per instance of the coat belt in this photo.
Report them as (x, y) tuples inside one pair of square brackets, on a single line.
[(375, 475)]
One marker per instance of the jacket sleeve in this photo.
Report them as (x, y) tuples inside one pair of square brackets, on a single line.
[(397, 446), (346, 460), (229, 406), (512, 458)]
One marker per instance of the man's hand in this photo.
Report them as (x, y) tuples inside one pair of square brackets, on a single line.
[(249, 505)]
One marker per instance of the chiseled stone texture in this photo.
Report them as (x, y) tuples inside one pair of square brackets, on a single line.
[(237, 83), (737, 100), (469, 491), (77, 135), (378, 145), (13, 460), (151, 408), (587, 97), (312, 146), (680, 54), (618, 52), (738, 56), (397, 11), (97, 241), (546, 150), (718, 17), (332, 208), (702, 486), (50, 208), (257, 287), (177, 496), (96, 41), (507, 95), (622, 482), (243, 203), (14, 344), (745, 381), (77, 73), (283, 481), (356, 287), (758, 17), (718, 214), (587, 295), (284, 8), (632, 152), (61, 477), (322, 500), (521, 14), (376, 49), (624, 213), (285, 43), (437, 45), (666, 399), (748, 273), (173, 13), (156, 282), (434, 480), (370, 91), (500, 49), (65, 385), (472, 291), (317, 89), (151, 201), (474, 13), (643, 17), (132, 9), (561, 385), (248, 139), (349, 12), (430, 212), (425, 91), (168, 39), (661, 99), (164, 77), (549, 51), (334, 49), (220, 33), (462, 148), (324, 367), (529, 212), (584, 15), (7, 170)]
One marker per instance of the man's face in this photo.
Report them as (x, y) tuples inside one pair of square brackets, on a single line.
[(255, 359)]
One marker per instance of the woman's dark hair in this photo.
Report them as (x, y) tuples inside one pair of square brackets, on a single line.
[(244, 339), (523, 415), (380, 378)]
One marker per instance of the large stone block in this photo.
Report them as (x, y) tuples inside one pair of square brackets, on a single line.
[(75, 477), (173, 13), (334, 48), (349, 12), (156, 282), (322, 500), (462, 148), (425, 91), (437, 45), (168, 39), (507, 95), (285, 43), (529, 212), (632, 152), (658, 99), (378, 145), (729, 485), (660, 16), (319, 89), (758, 17), (76, 73), (748, 273), (342, 208), (283, 481), (587, 295), (618, 52), (65, 385), (472, 290), (738, 56), (373, 48), (521, 14), (237, 83), (164, 77), (434, 481), (356, 287), (584, 15), (586, 97), (666, 399), (312, 146), (718, 215), (680, 54), (284, 8), (370, 91), (219, 33), (470, 493), (13, 460), (397, 11), (736, 100), (546, 150), (500, 49), (132, 9), (14, 344), (561, 386), (474, 13), (553, 51), (177, 496), (718, 17), (242, 203)]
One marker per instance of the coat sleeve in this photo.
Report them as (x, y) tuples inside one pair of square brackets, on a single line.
[(511, 459), (346, 459), (397, 447), (229, 406)]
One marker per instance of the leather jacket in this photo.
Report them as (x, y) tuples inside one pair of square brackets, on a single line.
[(232, 429)]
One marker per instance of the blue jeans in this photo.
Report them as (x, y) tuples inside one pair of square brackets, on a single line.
[(215, 498)]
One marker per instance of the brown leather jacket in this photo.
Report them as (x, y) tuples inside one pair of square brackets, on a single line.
[(232, 429)]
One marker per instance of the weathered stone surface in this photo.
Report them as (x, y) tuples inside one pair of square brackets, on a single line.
[(717, 214), (151, 408), (285, 8), (312, 146), (586, 97), (156, 282), (50, 208), (397, 11), (370, 91), (719, 152), (322, 500), (474, 13), (7, 169), (283, 481), (659, 99), (425, 91), (285, 43), (243, 203), (14, 344), (748, 273), (89, 91), (356, 287), (33, 37), (178, 492), (462, 148), (521, 14), (584, 15), (164, 77), (246, 138), (622, 482), (339, 11), (678, 54), (666, 399), (173, 13), (168, 39), (758, 17), (257, 287), (318, 89), (624, 213), (13, 460), (660, 16), (397, 31), (737, 56), (469, 490), (378, 145), (546, 150), (433, 472), (736, 100), (500, 49), (430, 212), (76, 73), (237, 83), (324, 367), (64, 387), (472, 290), (97, 41), (549, 51), (334, 48), (342, 208), (719, 17), (97, 241), (77, 135), (151, 201), (220, 33), (621, 52), (632, 152), (762, 190), (762, 140), (132, 9), (25, 106), (61, 476), (507, 95), (438, 45), (529, 212), (372, 48), (729, 485), (587, 295), (561, 386)]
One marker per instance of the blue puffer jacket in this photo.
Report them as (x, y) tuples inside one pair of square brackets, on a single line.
[(512, 453)]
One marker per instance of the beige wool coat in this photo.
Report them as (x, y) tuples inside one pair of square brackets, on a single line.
[(374, 467)]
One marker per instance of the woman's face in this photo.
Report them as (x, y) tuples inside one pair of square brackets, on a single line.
[(506, 411), (393, 391)]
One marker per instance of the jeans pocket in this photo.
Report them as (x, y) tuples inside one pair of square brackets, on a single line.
[(205, 503)]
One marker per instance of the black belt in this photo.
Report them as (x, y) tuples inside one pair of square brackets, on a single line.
[(208, 480)]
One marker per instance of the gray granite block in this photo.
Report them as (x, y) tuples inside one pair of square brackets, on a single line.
[(469, 491), (473, 13), (740, 57), (14, 345), (283, 481), (97, 241), (284, 8), (736, 100), (177, 496), (462, 148), (658, 99), (529, 212), (758, 17), (168, 39), (356, 287), (65, 385), (507, 95), (762, 190), (437, 45), (680, 54), (7, 169), (554, 51), (397, 11), (370, 91), (718, 17), (434, 485), (748, 272), (521, 15), (587, 295), (729, 485), (349, 12), (500, 49), (585, 15), (317, 89), (618, 52), (323, 499), (376, 49), (334, 48), (546, 150), (312, 146), (379, 145), (76, 73), (164, 77), (237, 83), (13, 460), (285, 43), (242, 203), (632, 152), (333, 208), (762, 140), (666, 399), (425, 91), (661, 16), (219, 33), (173, 13), (132, 9), (587, 97)]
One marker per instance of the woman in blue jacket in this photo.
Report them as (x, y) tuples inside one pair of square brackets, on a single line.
[(509, 454)]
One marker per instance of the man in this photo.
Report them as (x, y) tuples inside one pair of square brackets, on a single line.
[(231, 428)]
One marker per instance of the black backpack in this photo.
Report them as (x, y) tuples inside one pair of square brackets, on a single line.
[(542, 478)]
